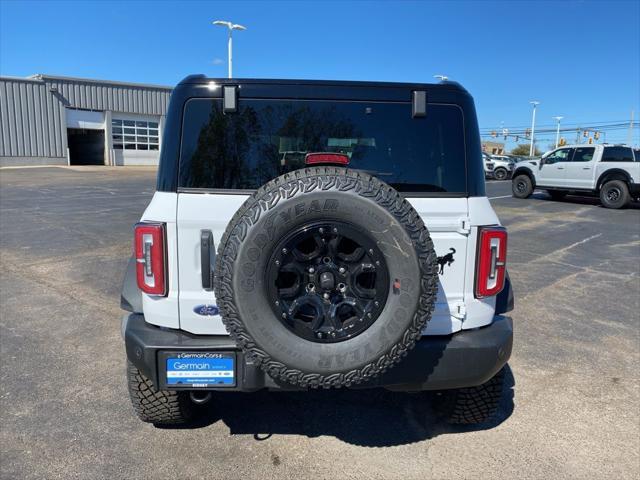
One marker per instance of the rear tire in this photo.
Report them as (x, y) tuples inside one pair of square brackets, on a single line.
[(160, 407), (521, 186), (614, 194), (500, 174), (557, 195), (473, 404)]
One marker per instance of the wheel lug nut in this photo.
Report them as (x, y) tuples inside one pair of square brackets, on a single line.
[(369, 315), (277, 262), (342, 269), (376, 303), (335, 230), (284, 250), (326, 296), (311, 270), (284, 315), (321, 230), (371, 251), (277, 303)]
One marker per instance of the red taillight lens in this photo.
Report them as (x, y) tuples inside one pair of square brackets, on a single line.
[(149, 251), (491, 261), (330, 158)]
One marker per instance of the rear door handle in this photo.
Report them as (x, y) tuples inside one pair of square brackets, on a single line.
[(586, 168), (207, 258), (560, 168)]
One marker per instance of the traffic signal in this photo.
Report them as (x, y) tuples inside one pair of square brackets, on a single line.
[(585, 134), (494, 134), (596, 135), (527, 133), (562, 142), (590, 141)]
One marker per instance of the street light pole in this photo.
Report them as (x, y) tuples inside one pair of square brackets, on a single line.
[(558, 130), (533, 126), (231, 27), (230, 54)]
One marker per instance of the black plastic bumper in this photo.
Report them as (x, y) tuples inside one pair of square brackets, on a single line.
[(464, 359)]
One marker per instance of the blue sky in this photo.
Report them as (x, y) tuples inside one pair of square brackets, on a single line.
[(581, 59)]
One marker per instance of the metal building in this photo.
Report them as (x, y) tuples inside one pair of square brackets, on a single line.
[(75, 121)]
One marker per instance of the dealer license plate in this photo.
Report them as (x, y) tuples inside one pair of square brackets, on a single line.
[(197, 370)]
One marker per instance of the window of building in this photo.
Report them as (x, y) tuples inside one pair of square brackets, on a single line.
[(134, 135)]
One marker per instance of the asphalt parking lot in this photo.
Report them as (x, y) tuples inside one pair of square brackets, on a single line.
[(572, 409)]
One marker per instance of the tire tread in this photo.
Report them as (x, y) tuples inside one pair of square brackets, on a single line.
[(308, 180), (472, 405), (161, 407)]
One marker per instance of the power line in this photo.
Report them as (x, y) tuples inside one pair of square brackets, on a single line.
[(576, 124)]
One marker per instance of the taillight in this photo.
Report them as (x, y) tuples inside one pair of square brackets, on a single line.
[(150, 253), (326, 158), (491, 261)]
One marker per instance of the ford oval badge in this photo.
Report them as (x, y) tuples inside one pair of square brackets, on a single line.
[(206, 310)]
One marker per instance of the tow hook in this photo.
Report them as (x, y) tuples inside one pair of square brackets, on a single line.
[(200, 398)]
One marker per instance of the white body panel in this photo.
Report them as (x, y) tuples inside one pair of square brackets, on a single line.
[(163, 311), (551, 175), (200, 212), (449, 222)]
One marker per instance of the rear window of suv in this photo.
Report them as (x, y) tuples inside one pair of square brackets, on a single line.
[(266, 138)]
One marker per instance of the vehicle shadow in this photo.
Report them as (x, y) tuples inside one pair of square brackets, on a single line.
[(371, 417), (580, 200)]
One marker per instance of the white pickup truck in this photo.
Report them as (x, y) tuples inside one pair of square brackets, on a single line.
[(610, 171)]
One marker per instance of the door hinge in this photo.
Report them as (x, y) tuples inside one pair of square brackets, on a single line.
[(464, 226), (459, 310)]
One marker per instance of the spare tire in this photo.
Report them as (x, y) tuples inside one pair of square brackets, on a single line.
[(326, 277)]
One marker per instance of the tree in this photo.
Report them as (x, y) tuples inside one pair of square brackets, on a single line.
[(523, 150)]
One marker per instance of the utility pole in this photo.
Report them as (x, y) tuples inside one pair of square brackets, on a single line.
[(558, 130), (231, 27), (533, 126), (630, 134)]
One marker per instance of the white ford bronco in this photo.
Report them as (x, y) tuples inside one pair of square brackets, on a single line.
[(317, 234), (610, 171)]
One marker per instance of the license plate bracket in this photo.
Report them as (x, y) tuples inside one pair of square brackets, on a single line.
[(196, 370)]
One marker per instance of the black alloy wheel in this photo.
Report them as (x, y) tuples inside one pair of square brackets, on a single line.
[(500, 174), (613, 194), (327, 282)]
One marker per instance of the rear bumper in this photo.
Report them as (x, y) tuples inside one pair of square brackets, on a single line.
[(464, 359)]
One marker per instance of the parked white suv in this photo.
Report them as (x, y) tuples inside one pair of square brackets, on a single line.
[(315, 234), (502, 166), (610, 171), (488, 165)]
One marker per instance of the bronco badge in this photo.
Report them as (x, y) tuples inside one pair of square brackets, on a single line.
[(446, 260)]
